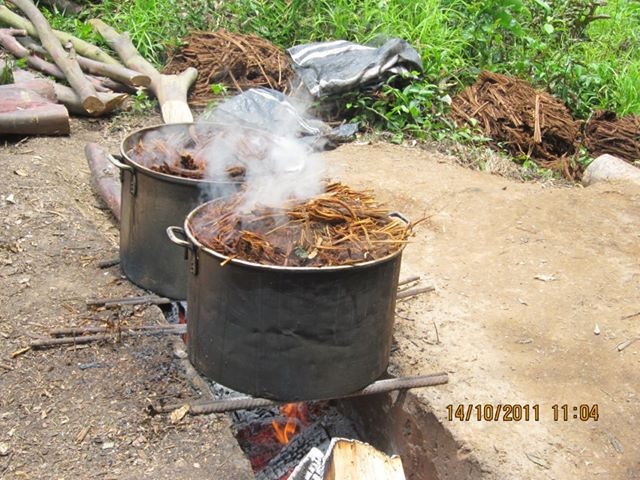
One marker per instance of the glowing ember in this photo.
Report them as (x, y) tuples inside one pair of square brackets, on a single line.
[(296, 413)]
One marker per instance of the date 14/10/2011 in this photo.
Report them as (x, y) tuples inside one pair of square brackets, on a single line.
[(520, 412)]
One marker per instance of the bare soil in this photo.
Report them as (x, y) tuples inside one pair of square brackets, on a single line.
[(523, 274), (79, 412), (504, 335)]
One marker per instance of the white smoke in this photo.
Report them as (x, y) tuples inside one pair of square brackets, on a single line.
[(279, 166)]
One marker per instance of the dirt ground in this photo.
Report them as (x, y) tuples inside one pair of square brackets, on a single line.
[(78, 413), (504, 335), (523, 274)]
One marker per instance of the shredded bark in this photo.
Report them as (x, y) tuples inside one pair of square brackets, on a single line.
[(238, 61), (522, 119), (200, 152), (340, 227), (606, 133)]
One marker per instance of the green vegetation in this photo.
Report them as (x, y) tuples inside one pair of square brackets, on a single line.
[(565, 46)]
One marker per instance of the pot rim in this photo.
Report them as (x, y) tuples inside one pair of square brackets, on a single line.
[(333, 268), (174, 178)]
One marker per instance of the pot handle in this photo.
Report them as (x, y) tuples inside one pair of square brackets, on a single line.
[(173, 232), (400, 216), (118, 164)]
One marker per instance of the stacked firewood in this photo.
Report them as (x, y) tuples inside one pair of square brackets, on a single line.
[(97, 82)]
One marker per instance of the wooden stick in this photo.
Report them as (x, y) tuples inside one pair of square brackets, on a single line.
[(84, 48), (170, 90), (76, 331), (115, 72), (413, 292), (67, 63), (111, 261), (411, 279), (150, 299), (53, 342)]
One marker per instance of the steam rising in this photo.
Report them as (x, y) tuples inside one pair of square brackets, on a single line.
[(279, 165), (277, 169)]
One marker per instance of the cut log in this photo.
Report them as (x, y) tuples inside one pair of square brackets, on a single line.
[(105, 178), (83, 48), (71, 100), (41, 86), (27, 113), (354, 460), (18, 50), (67, 63), (115, 72), (67, 96), (170, 90)]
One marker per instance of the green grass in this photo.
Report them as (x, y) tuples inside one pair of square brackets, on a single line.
[(552, 43)]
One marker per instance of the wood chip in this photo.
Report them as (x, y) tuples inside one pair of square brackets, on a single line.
[(179, 413), (82, 434)]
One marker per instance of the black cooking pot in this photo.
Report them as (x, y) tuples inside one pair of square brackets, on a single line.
[(289, 333), (151, 202)]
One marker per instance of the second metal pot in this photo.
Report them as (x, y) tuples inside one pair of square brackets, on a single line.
[(151, 202)]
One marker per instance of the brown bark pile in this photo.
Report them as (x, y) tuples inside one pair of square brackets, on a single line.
[(191, 152), (524, 120), (340, 227), (235, 60), (606, 133)]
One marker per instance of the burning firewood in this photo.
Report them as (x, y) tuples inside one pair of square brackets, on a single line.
[(340, 227)]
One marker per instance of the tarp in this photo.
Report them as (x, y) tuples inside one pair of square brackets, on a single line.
[(276, 113), (329, 68)]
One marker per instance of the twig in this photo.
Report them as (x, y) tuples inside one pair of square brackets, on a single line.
[(411, 279), (51, 342), (413, 292), (627, 317), (109, 263), (143, 299), (75, 331)]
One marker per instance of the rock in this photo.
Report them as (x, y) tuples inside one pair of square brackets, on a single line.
[(4, 449), (609, 168)]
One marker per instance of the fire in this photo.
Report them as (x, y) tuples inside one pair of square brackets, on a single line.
[(296, 414)]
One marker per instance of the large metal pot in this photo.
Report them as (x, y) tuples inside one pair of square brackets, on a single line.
[(290, 333), (151, 202)]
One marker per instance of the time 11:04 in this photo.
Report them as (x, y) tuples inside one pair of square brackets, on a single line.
[(583, 412)]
